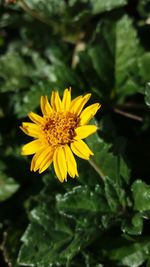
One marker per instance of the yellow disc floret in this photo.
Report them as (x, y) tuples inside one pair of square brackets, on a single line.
[(59, 128)]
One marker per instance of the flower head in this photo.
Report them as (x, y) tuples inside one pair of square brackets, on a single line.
[(58, 133)]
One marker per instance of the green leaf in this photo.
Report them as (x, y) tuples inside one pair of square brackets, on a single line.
[(55, 238), (14, 75), (133, 225), (110, 165), (11, 243), (42, 252), (141, 196), (148, 263), (50, 9), (147, 95), (112, 169), (99, 6), (61, 8), (8, 186), (113, 59), (132, 255), (144, 8), (126, 52), (83, 200), (143, 64), (28, 101)]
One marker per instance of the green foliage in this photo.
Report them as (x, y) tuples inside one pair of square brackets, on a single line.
[(8, 186), (141, 196), (101, 218), (147, 95), (110, 55)]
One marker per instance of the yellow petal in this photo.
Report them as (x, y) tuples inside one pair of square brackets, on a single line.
[(88, 113), (81, 149), (56, 101), (40, 158), (35, 118), (45, 106), (75, 100), (52, 99), (84, 131), (71, 163), (47, 161), (33, 162), (60, 165), (66, 101), (78, 104), (31, 129), (31, 148)]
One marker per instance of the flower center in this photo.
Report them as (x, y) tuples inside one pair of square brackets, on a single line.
[(59, 128)]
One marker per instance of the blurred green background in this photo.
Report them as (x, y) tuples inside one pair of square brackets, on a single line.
[(96, 46)]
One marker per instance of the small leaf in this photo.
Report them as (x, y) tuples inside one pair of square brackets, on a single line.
[(141, 196), (111, 165), (8, 186), (83, 199), (144, 62), (132, 255), (99, 6), (110, 55), (14, 75), (133, 225), (147, 95)]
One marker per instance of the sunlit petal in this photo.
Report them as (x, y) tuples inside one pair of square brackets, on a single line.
[(31, 129), (81, 149), (53, 99), (85, 130), (66, 101), (41, 158), (78, 105), (35, 118), (46, 161), (71, 163), (34, 159), (31, 148), (45, 106), (60, 165), (56, 101), (88, 113)]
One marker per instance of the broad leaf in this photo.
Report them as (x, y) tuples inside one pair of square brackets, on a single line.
[(8, 186), (147, 95), (112, 59), (141, 196), (132, 254), (15, 75)]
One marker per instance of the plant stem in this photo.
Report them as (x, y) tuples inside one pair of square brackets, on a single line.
[(128, 115), (97, 169)]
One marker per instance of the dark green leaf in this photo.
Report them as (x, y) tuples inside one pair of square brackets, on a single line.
[(99, 6), (141, 196), (132, 255), (147, 95), (83, 200), (143, 63), (107, 163), (144, 8), (15, 74), (8, 186), (114, 60), (133, 225)]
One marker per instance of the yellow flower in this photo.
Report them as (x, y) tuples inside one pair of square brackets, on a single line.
[(59, 132)]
